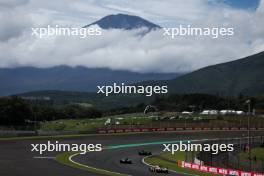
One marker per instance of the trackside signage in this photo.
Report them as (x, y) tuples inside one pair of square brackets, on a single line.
[(216, 170)]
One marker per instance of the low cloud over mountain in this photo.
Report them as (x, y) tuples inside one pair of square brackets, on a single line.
[(124, 49)]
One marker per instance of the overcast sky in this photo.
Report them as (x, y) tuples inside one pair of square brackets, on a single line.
[(117, 49)]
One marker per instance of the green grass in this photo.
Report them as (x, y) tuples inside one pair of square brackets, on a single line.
[(93, 124), (64, 159), (154, 160), (255, 152), (137, 119), (73, 124), (176, 157)]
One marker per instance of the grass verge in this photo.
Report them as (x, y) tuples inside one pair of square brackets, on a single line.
[(170, 161), (257, 153)]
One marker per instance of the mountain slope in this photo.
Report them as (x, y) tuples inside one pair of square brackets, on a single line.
[(100, 101), (123, 21), (25, 79), (244, 76)]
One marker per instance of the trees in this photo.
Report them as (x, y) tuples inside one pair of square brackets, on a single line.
[(198, 102), (14, 111), (78, 111)]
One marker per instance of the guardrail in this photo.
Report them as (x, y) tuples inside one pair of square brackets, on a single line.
[(136, 130)]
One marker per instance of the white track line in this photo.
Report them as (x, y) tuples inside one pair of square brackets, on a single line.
[(89, 167)]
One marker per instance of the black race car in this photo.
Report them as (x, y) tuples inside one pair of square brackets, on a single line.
[(126, 161), (144, 153), (158, 169)]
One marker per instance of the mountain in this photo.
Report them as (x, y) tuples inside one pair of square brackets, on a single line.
[(243, 76), (123, 21), (25, 79)]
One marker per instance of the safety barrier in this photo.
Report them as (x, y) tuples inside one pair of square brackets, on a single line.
[(136, 130), (216, 170)]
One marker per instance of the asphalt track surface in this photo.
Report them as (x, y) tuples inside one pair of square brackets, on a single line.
[(109, 160), (16, 158)]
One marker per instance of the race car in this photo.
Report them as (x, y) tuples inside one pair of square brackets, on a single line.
[(126, 161), (158, 169), (144, 153)]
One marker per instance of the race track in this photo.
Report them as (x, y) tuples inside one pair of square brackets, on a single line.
[(109, 160), (16, 159)]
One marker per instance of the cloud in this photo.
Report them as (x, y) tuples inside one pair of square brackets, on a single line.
[(12, 3), (13, 20), (117, 49)]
